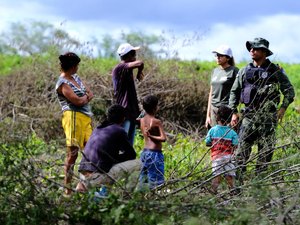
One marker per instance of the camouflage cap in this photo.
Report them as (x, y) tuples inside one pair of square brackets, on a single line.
[(259, 43)]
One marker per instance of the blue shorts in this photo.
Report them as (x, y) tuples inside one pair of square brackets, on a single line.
[(153, 168)]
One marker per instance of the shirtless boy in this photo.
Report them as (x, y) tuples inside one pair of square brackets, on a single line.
[(152, 173)]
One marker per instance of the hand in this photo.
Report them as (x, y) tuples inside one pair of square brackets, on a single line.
[(90, 95), (234, 119), (140, 75), (207, 122), (280, 114), (147, 132)]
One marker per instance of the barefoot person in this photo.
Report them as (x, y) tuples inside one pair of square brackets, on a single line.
[(152, 158), (223, 141), (74, 97)]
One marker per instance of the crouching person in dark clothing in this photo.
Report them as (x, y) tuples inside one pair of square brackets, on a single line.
[(108, 154)]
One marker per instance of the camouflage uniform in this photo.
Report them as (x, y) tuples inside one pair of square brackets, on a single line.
[(259, 89)]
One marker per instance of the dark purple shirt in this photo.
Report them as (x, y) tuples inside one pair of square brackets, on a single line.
[(106, 146), (124, 90)]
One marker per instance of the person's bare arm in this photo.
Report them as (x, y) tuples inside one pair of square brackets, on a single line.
[(208, 119), (136, 64), (89, 93), (143, 127), (234, 119), (140, 66), (67, 91)]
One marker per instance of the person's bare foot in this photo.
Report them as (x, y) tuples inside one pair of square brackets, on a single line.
[(68, 192), (81, 188)]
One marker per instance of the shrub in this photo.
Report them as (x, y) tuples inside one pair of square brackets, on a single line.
[(31, 155), (29, 103)]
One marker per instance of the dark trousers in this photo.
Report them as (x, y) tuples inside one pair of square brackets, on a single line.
[(257, 128)]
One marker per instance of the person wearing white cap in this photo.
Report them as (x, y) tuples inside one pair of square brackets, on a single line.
[(222, 79), (124, 85)]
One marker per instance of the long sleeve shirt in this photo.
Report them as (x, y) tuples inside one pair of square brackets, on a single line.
[(280, 79)]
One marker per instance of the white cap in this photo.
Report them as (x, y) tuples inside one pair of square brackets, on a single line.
[(223, 50), (125, 48)]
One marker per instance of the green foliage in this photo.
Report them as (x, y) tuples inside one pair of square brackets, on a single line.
[(20, 198), (31, 177), (8, 63), (107, 47), (186, 69), (103, 66), (292, 70), (144, 41), (32, 144), (192, 157), (35, 37)]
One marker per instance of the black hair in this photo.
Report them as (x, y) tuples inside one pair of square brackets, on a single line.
[(224, 114), (129, 54), (231, 61), (68, 60), (115, 115), (150, 103)]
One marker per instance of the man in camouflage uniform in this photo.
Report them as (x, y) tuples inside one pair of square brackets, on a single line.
[(258, 87)]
